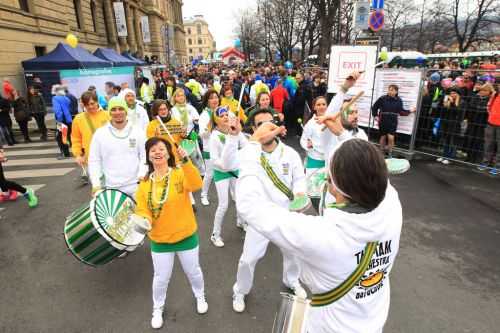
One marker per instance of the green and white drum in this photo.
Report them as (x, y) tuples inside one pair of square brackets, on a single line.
[(397, 166), (315, 183), (102, 230)]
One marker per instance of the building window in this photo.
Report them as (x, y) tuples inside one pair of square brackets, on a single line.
[(93, 12), (198, 29), (190, 41), (200, 50), (78, 13), (190, 50), (200, 41), (40, 51), (189, 31), (24, 6), (108, 37)]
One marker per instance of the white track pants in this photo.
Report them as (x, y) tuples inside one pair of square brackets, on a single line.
[(163, 264), (207, 180), (224, 187), (254, 248)]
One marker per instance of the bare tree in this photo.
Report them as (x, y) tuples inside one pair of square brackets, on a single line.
[(397, 14), (470, 27), (247, 30), (346, 21), (327, 14), (308, 29)]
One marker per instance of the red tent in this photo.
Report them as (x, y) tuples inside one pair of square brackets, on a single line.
[(233, 55)]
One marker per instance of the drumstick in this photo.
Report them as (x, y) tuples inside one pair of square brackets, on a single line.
[(345, 107), (241, 97), (185, 159)]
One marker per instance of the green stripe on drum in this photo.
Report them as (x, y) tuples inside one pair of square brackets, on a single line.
[(85, 228), (87, 242), (73, 224), (78, 212), (105, 259), (120, 202), (74, 217), (98, 252), (91, 248)]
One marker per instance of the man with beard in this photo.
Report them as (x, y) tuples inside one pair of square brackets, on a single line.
[(136, 115), (282, 175), (117, 152)]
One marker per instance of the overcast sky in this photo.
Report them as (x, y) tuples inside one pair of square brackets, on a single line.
[(219, 15)]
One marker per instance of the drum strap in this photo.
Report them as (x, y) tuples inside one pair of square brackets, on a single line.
[(353, 279), (89, 123), (274, 178)]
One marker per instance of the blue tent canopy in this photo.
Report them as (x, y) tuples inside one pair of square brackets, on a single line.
[(129, 56), (65, 57), (117, 59)]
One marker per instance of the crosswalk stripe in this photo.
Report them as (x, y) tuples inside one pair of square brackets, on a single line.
[(35, 187), (33, 152), (37, 173), (32, 144), (36, 161)]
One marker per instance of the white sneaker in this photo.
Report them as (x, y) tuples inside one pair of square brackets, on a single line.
[(299, 291), (238, 303), (242, 225), (157, 320), (446, 162), (217, 241), (204, 201), (201, 305), (439, 159)]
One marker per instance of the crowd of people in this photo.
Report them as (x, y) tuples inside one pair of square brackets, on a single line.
[(135, 142), (460, 114)]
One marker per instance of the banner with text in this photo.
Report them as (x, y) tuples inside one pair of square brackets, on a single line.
[(121, 21)]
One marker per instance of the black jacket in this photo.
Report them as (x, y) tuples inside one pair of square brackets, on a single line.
[(389, 104), (302, 96), (5, 112)]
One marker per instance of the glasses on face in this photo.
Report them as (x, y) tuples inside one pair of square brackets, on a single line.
[(260, 123)]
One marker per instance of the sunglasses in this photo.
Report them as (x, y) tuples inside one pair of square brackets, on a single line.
[(260, 123), (220, 112)]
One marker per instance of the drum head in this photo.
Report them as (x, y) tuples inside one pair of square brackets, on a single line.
[(397, 165), (189, 146), (300, 203), (315, 182), (111, 210)]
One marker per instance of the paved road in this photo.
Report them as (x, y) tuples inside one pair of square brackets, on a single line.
[(445, 279)]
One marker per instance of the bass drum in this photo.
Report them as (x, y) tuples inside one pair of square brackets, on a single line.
[(100, 231)]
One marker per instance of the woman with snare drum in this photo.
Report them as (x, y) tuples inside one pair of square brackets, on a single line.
[(345, 256), (163, 199)]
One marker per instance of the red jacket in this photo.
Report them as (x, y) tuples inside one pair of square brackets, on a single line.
[(494, 110), (278, 97)]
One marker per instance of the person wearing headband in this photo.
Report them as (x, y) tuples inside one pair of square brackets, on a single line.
[(117, 152), (282, 175), (346, 255), (225, 141)]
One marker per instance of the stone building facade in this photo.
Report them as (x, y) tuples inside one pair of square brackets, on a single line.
[(30, 28), (200, 43)]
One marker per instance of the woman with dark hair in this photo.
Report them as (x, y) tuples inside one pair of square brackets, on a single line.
[(38, 110), (451, 113), (211, 101), (163, 199), (387, 109), (345, 256), (228, 100), (311, 137), (318, 87), (161, 108), (22, 114)]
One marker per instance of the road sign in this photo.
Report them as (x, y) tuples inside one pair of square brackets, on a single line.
[(376, 21), (361, 15), (365, 41), (377, 4)]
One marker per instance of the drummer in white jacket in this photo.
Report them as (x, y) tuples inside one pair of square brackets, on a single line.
[(331, 247), (287, 166), (311, 140), (225, 141), (137, 116), (211, 101), (117, 152)]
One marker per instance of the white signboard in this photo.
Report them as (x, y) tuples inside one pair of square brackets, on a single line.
[(408, 82), (121, 21), (346, 59), (146, 34), (361, 15)]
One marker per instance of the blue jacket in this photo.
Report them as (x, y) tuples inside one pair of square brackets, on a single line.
[(62, 109), (102, 101)]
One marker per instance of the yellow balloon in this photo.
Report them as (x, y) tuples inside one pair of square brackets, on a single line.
[(71, 40)]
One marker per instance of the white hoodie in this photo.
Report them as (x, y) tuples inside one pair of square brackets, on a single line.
[(327, 249), (313, 131)]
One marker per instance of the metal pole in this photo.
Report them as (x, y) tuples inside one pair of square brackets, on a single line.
[(373, 92), (411, 149)]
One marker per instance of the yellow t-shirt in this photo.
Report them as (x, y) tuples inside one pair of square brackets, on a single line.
[(82, 131), (233, 106), (177, 220)]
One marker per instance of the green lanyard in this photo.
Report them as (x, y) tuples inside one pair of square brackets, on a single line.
[(275, 179)]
